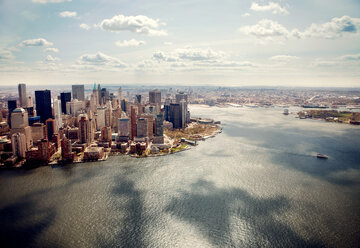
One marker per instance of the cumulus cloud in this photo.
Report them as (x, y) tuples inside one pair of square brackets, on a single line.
[(68, 14), (84, 26), (275, 8), (50, 58), (283, 58), (189, 54), (245, 15), (272, 30), (337, 27), (351, 57), (168, 43), (6, 55), (100, 59), (137, 24), (198, 59), (50, 1), (130, 43), (266, 29), (35, 42), (51, 49)]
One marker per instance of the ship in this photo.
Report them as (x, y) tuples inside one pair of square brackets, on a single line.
[(322, 156)]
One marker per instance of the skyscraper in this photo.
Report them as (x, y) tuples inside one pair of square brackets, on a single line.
[(65, 97), (11, 107), (43, 104), (175, 115), (155, 96), (22, 95), (78, 92), (50, 128), (133, 122), (84, 130), (57, 115), (181, 96)]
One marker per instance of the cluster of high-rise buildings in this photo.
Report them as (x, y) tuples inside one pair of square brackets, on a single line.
[(72, 126)]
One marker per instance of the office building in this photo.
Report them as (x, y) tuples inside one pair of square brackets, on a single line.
[(49, 128), (11, 107), (18, 143), (84, 126), (43, 104), (65, 97), (78, 92), (181, 96), (175, 115), (133, 122), (57, 115), (155, 97), (100, 118), (22, 95), (124, 129), (142, 128), (19, 118)]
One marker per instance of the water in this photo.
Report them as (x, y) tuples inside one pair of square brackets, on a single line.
[(257, 184)]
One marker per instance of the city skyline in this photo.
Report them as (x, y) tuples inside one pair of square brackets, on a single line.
[(248, 43)]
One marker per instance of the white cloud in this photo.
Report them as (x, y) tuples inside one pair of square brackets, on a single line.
[(355, 57), (136, 24), (100, 59), (275, 8), (168, 43), (130, 43), (84, 26), (195, 59), (51, 49), (36, 42), (245, 15), (6, 55), (50, 1), (68, 14), (272, 30), (50, 58), (265, 29), (283, 58), (337, 27)]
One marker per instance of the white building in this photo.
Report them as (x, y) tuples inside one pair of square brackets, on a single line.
[(100, 118), (75, 106), (18, 143), (57, 114)]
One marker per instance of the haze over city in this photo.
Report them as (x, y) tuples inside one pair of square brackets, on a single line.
[(229, 43)]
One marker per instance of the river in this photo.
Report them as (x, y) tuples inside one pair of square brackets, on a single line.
[(257, 184)]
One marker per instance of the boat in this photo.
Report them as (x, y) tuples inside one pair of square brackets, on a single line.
[(323, 156)]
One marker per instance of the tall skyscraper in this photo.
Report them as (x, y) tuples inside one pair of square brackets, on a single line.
[(11, 108), (155, 96), (84, 130), (65, 97), (133, 122), (78, 92), (142, 128), (57, 115), (124, 128), (43, 104), (50, 128), (175, 115), (137, 98), (181, 96), (22, 95)]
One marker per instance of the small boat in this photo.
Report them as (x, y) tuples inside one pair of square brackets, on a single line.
[(323, 156)]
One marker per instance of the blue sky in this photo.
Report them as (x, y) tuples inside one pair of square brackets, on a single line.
[(198, 42)]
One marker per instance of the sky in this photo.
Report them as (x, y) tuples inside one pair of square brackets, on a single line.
[(167, 42)]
